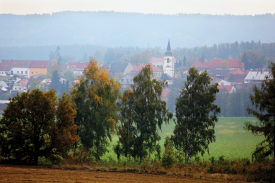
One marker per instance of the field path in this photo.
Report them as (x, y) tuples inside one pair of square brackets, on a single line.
[(31, 174)]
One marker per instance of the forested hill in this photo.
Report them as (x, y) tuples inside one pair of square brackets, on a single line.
[(114, 29)]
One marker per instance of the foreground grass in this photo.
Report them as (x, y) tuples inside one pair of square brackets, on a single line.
[(232, 141), (24, 173)]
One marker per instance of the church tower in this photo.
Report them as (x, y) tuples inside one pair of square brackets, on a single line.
[(168, 61)]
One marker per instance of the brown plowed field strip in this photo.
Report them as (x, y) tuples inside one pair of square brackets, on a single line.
[(23, 174)]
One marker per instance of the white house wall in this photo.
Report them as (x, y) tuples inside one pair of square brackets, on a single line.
[(21, 71)]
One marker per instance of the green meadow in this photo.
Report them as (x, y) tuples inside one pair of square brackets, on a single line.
[(232, 141)]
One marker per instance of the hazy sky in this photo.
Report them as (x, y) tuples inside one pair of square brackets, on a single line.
[(241, 7)]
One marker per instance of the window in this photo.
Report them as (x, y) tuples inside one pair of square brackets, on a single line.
[(18, 72), (32, 72), (36, 72), (167, 60), (19, 88), (121, 80), (26, 72), (21, 72)]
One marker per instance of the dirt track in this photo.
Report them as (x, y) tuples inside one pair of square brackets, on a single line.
[(22, 174)]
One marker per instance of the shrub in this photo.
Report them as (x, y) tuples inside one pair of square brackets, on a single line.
[(168, 158)]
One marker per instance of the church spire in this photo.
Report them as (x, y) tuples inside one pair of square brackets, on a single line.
[(168, 46), (168, 50)]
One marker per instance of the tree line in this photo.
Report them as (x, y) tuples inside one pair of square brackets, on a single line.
[(36, 125)]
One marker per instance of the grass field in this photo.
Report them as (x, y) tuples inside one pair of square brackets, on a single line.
[(232, 141)]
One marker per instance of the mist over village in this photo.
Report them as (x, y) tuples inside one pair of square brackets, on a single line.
[(95, 92)]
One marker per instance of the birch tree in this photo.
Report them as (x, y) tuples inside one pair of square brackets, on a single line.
[(95, 96), (196, 115)]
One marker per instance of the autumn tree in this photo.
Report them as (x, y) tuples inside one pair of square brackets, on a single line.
[(264, 102), (54, 66), (35, 124), (95, 96), (149, 111), (196, 115)]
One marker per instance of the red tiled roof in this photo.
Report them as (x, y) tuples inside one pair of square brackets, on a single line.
[(20, 63), (6, 65), (165, 93), (199, 64), (39, 64), (216, 63), (154, 68), (78, 65), (24, 82), (155, 59), (237, 71), (227, 87)]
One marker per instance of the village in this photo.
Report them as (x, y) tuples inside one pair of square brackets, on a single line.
[(18, 76)]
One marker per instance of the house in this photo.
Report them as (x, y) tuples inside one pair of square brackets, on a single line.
[(21, 85), (122, 67), (167, 78), (38, 67), (257, 76), (19, 67), (221, 73), (228, 88), (157, 72), (25, 68), (77, 68), (127, 79), (236, 78)]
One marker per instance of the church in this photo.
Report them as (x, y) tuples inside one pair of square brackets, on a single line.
[(167, 62)]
